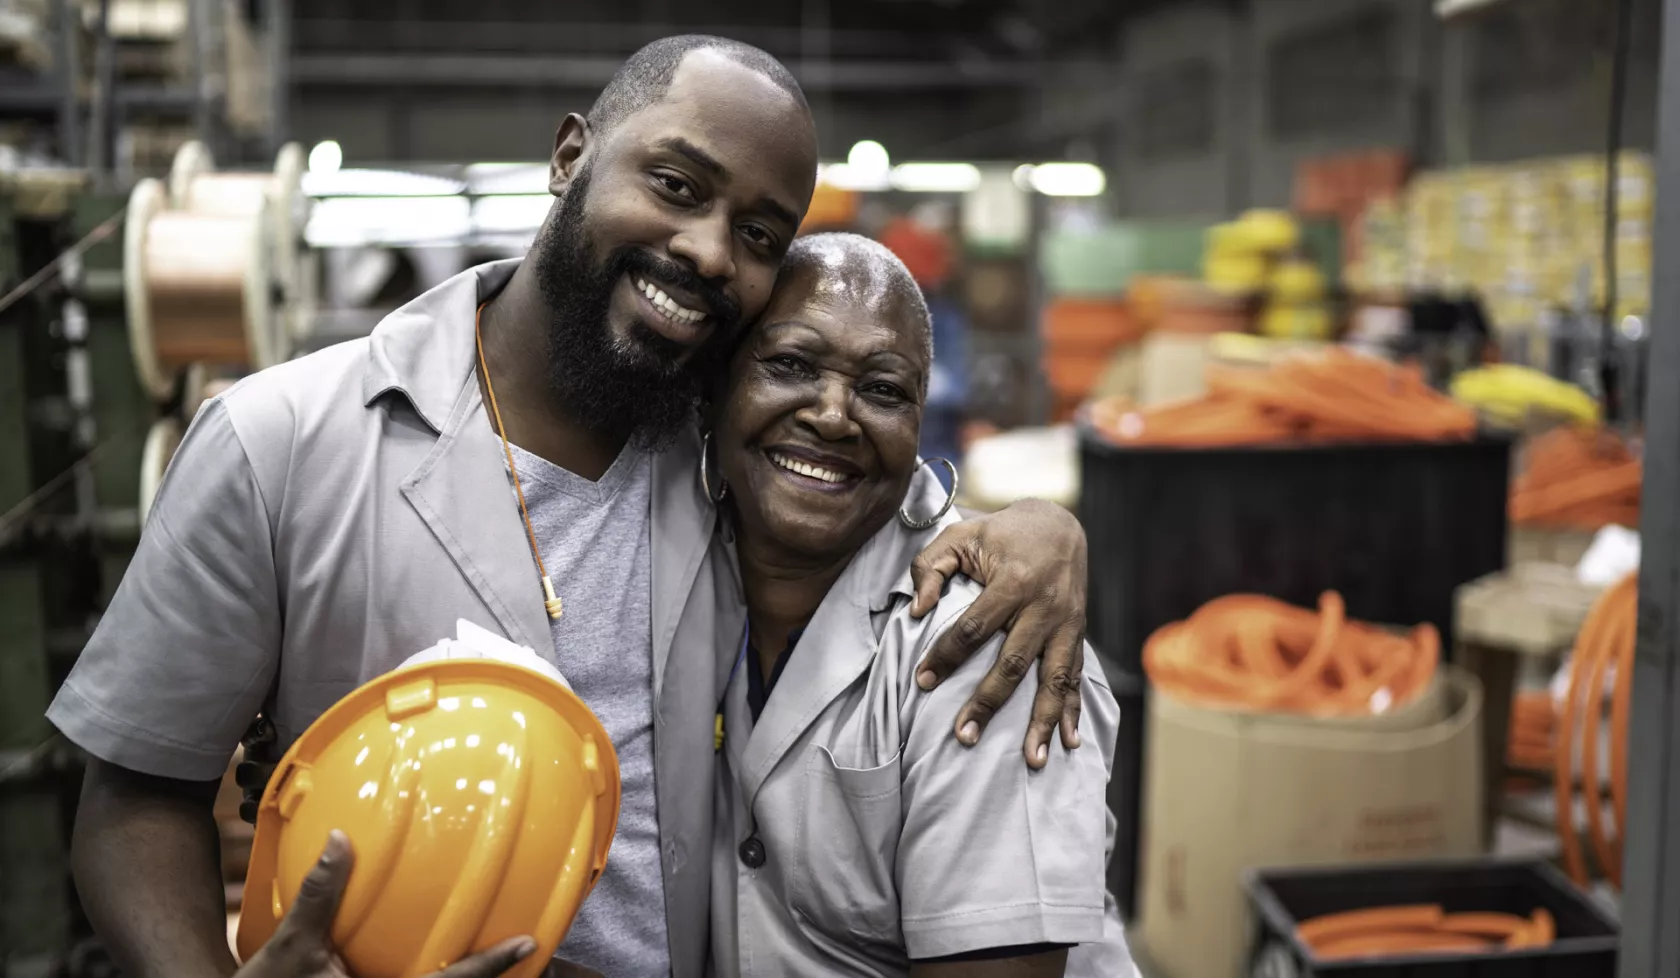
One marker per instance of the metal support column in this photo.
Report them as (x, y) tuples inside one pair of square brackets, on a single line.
[(1651, 894), (278, 27), (65, 66)]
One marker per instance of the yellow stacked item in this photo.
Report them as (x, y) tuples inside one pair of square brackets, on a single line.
[(1295, 303), (1235, 272), (1239, 254), (1268, 231), (480, 799), (1296, 281), (1513, 395), (1530, 235), (1306, 322)]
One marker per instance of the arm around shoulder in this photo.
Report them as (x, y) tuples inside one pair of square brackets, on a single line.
[(993, 853)]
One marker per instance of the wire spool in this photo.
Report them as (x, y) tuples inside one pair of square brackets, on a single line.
[(302, 309), (197, 288), (195, 186), (161, 443)]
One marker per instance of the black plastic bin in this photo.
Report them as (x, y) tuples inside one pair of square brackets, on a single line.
[(1123, 781), (1394, 527), (1586, 944)]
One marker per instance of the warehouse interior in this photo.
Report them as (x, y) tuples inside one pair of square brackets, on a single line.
[(1333, 322)]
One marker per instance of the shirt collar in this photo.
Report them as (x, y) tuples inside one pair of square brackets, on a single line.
[(425, 350), (885, 559)]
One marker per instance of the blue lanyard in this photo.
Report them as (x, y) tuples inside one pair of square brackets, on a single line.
[(740, 657)]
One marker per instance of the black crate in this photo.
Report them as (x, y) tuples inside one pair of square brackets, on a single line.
[(1586, 944), (1395, 528), (1124, 782)]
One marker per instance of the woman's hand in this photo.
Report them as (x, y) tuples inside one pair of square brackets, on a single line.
[(1030, 560)]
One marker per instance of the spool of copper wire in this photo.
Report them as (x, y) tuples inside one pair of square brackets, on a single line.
[(197, 288), (196, 186), (161, 442)]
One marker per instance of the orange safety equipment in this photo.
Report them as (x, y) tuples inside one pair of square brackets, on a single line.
[(480, 799)]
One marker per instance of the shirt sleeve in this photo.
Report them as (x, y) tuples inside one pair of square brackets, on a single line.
[(992, 853), (182, 659)]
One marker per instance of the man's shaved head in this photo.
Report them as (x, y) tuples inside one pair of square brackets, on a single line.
[(646, 76), (863, 271)]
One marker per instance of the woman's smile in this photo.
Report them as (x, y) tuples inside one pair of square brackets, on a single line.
[(813, 470)]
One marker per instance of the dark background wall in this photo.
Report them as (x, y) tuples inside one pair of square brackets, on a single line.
[(1195, 106)]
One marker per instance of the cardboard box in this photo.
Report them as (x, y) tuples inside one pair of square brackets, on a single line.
[(1225, 792)]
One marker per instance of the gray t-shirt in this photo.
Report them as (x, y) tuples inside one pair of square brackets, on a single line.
[(594, 540)]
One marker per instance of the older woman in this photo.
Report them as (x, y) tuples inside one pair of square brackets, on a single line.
[(855, 835)]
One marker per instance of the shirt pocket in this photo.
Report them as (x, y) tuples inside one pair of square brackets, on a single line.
[(845, 882)]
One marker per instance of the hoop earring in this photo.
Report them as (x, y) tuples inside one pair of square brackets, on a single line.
[(705, 482), (950, 500)]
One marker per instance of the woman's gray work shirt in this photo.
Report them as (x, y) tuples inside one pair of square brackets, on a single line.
[(854, 833)]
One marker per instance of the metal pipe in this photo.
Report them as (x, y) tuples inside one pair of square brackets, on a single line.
[(1621, 13), (100, 114), (279, 73), (70, 111), (1650, 944)]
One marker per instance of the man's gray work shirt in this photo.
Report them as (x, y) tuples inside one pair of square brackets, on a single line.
[(327, 518)]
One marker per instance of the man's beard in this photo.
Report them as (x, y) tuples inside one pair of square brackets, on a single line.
[(636, 386)]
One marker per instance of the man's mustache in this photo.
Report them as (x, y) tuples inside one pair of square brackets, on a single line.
[(725, 311)]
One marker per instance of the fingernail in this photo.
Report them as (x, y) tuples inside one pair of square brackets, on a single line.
[(926, 679), (1077, 740), (1043, 753), (970, 733), (524, 949)]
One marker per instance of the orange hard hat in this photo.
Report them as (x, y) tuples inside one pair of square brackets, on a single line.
[(479, 797)]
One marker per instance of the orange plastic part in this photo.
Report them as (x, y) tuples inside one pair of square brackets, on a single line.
[(480, 799), (1583, 478), (1257, 653), (1607, 639), (1333, 395), (1403, 930)]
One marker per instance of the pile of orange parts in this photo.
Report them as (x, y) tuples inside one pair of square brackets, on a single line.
[(1583, 478), (1255, 653), (1606, 641), (1422, 929), (1334, 395), (1533, 727)]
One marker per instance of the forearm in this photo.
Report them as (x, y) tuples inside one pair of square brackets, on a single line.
[(148, 869), (1048, 965)]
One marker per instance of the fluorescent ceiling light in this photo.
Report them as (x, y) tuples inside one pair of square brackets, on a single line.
[(378, 183), (936, 177), (844, 176), (869, 155), (343, 222), (507, 178), (1453, 8), (326, 157), (514, 214), (1066, 179)]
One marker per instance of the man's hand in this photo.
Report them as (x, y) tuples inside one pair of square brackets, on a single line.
[(1030, 559), (302, 946)]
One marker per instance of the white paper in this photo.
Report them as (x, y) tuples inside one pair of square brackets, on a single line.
[(1614, 554), (477, 642)]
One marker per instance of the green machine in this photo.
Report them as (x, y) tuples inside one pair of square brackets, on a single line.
[(72, 424)]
